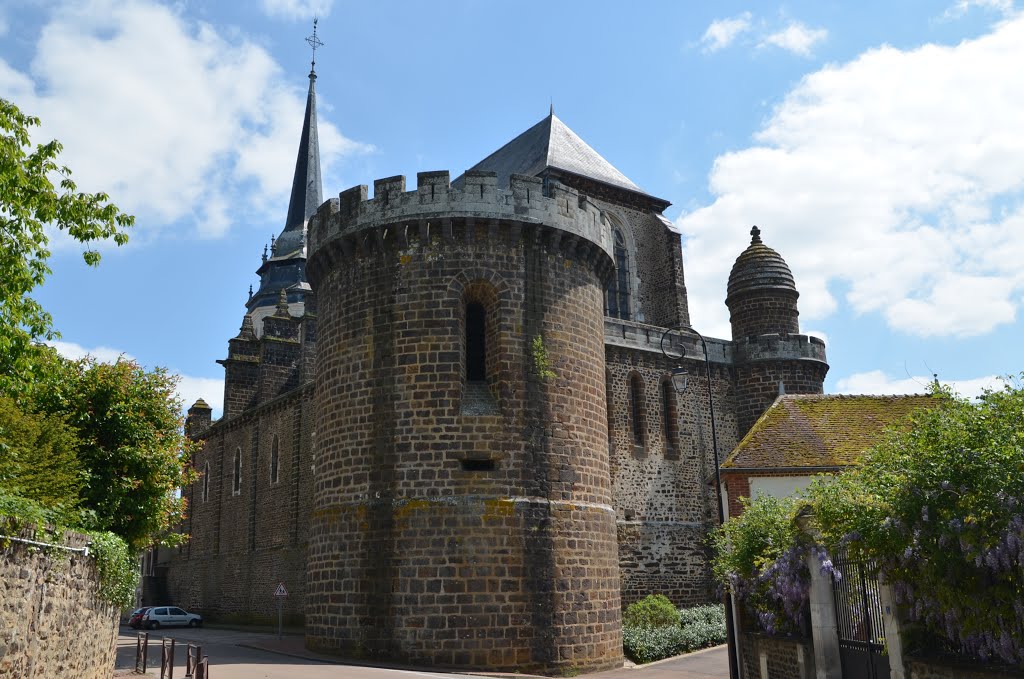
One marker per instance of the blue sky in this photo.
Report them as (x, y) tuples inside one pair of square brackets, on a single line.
[(878, 145)]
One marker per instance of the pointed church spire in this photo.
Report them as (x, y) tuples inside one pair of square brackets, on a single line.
[(285, 268), (306, 188)]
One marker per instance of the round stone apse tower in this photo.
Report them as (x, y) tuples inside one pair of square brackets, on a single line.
[(462, 500)]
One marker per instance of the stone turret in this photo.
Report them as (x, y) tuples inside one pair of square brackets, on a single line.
[(771, 355), (762, 293), (462, 484)]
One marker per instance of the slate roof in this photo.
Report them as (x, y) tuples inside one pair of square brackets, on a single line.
[(286, 268), (550, 144), (816, 430)]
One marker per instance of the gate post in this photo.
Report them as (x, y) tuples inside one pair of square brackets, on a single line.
[(891, 626), (827, 664)]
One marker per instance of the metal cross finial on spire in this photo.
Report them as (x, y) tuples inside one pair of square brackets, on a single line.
[(314, 42)]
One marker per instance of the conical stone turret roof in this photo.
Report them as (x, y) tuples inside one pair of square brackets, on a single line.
[(759, 267)]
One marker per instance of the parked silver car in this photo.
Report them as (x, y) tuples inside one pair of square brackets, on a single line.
[(168, 616)]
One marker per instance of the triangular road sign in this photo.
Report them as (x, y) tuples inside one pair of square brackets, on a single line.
[(281, 591)]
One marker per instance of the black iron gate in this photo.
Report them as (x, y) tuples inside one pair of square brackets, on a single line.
[(859, 620)]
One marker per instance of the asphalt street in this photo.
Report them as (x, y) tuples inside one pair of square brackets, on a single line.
[(236, 654)]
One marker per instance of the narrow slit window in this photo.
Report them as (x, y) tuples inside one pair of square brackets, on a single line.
[(274, 459), (236, 482), (206, 482), (636, 396), (476, 342), (669, 419)]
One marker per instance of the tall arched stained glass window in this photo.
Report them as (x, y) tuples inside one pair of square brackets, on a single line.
[(617, 293)]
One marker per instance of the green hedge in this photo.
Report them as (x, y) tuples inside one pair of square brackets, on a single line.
[(696, 628)]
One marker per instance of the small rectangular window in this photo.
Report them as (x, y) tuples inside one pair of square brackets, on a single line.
[(479, 465)]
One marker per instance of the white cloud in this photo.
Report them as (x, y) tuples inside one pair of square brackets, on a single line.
[(877, 382), (962, 7), (898, 178), (164, 114), (211, 390), (722, 32), (101, 353), (297, 9), (189, 389), (797, 38)]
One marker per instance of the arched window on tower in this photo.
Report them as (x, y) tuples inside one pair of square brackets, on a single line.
[(617, 293), (206, 482), (275, 459), (670, 420), (236, 476), (637, 413), (476, 342)]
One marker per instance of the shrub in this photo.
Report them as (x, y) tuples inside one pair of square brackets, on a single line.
[(702, 626), (647, 644), (699, 627), (760, 556), (654, 610)]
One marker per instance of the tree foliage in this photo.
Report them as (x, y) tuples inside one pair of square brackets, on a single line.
[(761, 556), (39, 459), (29, 204), (940, 506), (131, 443)]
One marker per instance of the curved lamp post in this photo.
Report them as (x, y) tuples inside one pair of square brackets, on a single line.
[(680, 378)]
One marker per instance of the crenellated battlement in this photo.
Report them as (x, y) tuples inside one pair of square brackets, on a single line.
[(559, 215), (775, 347)]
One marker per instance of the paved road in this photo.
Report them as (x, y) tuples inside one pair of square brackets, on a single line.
[(238, 654)]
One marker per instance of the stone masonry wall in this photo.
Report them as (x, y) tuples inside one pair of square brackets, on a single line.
[(763, 312), (664, 495), (53, 625), (244, 543), (758, 385), (767, 657), (445, 534)]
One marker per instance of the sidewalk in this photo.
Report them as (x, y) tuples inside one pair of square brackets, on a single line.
[(709, 663)]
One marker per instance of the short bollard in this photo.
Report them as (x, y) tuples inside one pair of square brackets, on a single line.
[(141, 652), (192, 658), (167, 658)]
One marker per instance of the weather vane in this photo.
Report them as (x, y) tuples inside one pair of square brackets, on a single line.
[(314, 42)]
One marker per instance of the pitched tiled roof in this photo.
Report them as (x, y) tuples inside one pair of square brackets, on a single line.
[(816, 430)]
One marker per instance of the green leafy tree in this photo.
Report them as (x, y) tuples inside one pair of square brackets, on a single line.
[(39, 459), (940, 507), (29, 204), (131, 443)]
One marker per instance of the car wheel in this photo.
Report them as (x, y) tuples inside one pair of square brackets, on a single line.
[(193, 623), (154, 625)]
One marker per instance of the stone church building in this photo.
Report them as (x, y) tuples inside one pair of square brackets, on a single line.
[(449, 427)]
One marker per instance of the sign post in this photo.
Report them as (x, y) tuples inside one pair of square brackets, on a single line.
[(280, 595)]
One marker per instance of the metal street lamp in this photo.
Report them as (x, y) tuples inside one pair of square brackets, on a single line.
[(680, 378)]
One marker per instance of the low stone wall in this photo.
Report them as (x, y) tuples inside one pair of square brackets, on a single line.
[(52, 623), (766, 657), (939, 669)]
